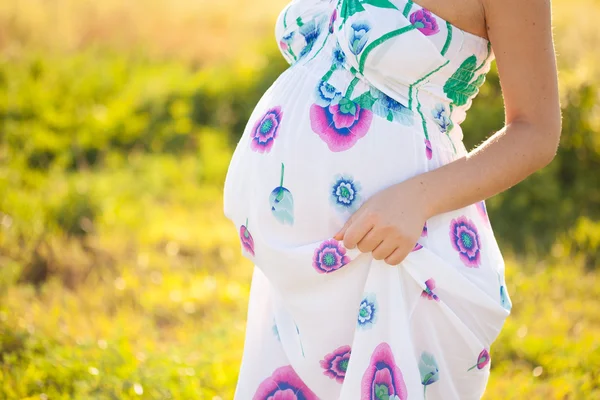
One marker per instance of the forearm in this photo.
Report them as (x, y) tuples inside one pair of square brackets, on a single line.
[(502, 161)]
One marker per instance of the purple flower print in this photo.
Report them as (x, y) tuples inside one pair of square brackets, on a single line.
[(264, 131), (465, 240), (284, 384), (482, 360), (418, 246), (368, 311), (424, 21), (332, 20), (428, 291), (383, 379), (340, 125), (428, 149), (246, 238), (335, 364), (424, 231), (482, 211), (330, 256)]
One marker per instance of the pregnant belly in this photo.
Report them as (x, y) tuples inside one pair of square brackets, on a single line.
[(303, 166)]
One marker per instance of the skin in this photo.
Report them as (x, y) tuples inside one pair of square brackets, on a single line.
[(390, 222)]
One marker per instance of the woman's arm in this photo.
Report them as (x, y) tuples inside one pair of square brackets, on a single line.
[(390, 222)]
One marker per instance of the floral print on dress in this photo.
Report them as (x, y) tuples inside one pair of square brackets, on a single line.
[(359, 36), (428, 149), (345, 193), (383, 379), (428, 291), (465, 240), (282, 203), (482, 360), (441, 117), (327, 94), (482, 210), (424, 231), (332, 20), (330, 256), (429, 370), (246, 238), (504, 300), (265, 129), (392, 110), (425, 22), (335, 363), (340, 125), (418, 246), (368, 312), (284, 384)]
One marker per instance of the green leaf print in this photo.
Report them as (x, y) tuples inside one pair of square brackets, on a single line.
[(459, 87), (380, 3), (350, 7), (365, 100), (347, 106), (382, 392)]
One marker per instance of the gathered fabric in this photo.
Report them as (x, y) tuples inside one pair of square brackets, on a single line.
[(375, 94)]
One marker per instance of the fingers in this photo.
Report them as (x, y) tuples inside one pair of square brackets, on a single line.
[(356, 231), (370, 241), (398, 255), (385, 249), (342, 232)]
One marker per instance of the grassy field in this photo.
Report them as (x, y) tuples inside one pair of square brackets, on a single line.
[(119, 276)]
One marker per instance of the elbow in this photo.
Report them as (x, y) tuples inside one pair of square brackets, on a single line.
[(548, 135)]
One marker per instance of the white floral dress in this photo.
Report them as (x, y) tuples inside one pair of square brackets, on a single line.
[(375, 94)]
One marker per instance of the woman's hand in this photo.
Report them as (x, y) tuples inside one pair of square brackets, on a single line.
[(389, 223)]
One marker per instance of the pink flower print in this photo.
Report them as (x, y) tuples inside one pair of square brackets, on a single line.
[(424, 231), (428, 291), (424, 21), (465, 240), (335, 364), (284, 384), (383, 379), (482, 211), (246, 238), (332, 20), (265, 129), (340, 125), (482, 360), (330, 256), (418, 246), (428, 149)]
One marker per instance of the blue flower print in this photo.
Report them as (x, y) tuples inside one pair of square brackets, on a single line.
[(392, 110), (339, 57), (441, 118), (327, 94), (359, 36), (504, 299), (310, 31), (368, 311), (345, 193), (275, 330)]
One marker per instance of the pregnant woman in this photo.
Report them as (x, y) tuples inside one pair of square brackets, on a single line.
[(377, 274)]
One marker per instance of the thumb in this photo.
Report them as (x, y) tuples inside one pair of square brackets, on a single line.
[(341, 232)]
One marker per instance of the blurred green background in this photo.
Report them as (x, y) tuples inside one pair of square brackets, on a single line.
[(119, 276)]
